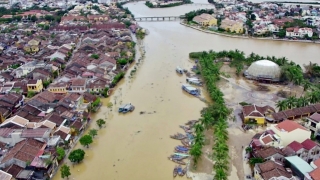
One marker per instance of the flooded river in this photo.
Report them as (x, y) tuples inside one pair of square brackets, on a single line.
[(135, 146)]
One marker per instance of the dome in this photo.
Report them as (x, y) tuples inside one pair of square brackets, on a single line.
[(264, 69)]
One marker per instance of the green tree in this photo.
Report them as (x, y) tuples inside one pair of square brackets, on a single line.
[(31, 94), (282, 105), (65, 171), (198, 128), (196, 152), (282, 33), (34, 18), (199, 139), (61, 153), (93, 132), (95, 56), (86, 140), (101, 122), (253, 161), (76, 156)]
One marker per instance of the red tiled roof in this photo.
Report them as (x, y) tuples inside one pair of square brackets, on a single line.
[(308, 144), (317, 162), (315, 174), (267, 139), (296, 146), (289, 126), (315, 117)]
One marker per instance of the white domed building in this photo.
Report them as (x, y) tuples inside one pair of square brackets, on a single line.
[(263, 70)]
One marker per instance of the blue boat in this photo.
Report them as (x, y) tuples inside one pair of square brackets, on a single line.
[(191, 90)]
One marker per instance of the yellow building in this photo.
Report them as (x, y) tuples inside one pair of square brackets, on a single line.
[(35, 85), (205, 20), (232, 26), (253, 114), (32, 46), (58, 88)]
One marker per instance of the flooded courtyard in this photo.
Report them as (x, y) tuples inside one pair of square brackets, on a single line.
[(136, 146)]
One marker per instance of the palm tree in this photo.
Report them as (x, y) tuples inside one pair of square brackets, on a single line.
[(282, 105), (313, 97), (221, 174), (291, 101), (198, 128), (310, 67), (306, 85), (196, 152), (199, 139), (222, 149), (221, 164)]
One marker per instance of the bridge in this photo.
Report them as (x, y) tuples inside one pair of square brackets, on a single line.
[(160, 18)]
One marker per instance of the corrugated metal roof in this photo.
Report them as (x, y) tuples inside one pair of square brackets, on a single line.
[(300, 164)]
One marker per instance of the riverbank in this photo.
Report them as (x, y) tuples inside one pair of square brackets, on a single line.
[(245, 37)]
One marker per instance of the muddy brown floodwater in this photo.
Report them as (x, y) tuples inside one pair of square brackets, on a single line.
[(135, 146)]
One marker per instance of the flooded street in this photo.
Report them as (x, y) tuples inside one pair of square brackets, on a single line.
[(136, 146)]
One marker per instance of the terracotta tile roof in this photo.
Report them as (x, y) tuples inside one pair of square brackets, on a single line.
[(317, 106), (292, 112), (55, 118), (308, 109), (315, 174), (35, 133), (279, 116), (5, 132), (267, 152), (276, 173), (269, 165), (289, 126), (296, 146), (77, 124), (308, 144), (32, 81), (317, 162), (267, 139), (79, 82), (89, 97), (315, 117), (25, 150), (14, 170)]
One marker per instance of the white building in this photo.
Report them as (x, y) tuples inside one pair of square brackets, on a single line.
[(299, 32)]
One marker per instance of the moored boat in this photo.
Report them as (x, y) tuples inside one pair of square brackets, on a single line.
[(184, 171), (178, 136), (175, 171), (182, 154), (180, 151), (180, 171), (179, 162), (191, 122)]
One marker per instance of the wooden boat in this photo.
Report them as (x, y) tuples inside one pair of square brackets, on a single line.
[(191, 122), (184, 171), (177, 157), (183, 147), (178, 136), (180, 151), (182, 154), (186, 143), (175, 171), (179, 162), (180, 170), (184, 127)]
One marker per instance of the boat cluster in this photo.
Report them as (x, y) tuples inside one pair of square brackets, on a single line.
[(181, 152), (192, 80)]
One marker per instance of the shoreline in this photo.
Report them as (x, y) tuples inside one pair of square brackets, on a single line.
[(246, 37)]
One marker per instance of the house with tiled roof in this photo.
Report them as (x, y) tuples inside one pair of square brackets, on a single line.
[(23, 152), (272, 170), (289, 131), (269, 153), (78, 85), (313, 123), (256, 114)]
